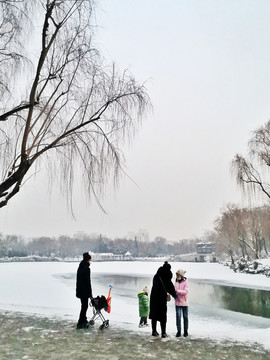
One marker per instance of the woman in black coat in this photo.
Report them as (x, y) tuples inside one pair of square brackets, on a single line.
[(83, 288), (162, 285)]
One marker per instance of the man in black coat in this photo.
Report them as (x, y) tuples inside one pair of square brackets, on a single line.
[(83, 288), (162, 285)]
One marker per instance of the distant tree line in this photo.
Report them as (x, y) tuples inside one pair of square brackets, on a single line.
[(72, 247), (242, 232), (239, 232)]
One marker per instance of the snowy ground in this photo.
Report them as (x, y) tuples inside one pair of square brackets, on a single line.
[(48, 289), (38, 338)]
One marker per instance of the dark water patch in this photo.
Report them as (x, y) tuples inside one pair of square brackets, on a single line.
[(249, 301), (239, 299), (37, 338), (123, 281)]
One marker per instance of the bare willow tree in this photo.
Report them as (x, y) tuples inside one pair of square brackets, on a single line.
[(252, 172), (11, 18), (230, 230), (68, 110), (243, 231)]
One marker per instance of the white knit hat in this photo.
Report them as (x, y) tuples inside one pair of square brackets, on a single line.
[(181, 272), (145, 289)]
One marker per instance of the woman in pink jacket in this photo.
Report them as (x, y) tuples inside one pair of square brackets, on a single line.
[(181, 303)]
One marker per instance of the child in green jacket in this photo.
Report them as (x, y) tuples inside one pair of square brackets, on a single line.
[(143, 306)]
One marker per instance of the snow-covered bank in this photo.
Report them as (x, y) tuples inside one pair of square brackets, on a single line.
[(99, 257), (260, 266), (212, 272)]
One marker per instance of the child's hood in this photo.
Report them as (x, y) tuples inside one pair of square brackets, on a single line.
[(141, 293)]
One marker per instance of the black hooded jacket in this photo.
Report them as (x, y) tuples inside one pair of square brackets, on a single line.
[(83, 283), (162, 285)]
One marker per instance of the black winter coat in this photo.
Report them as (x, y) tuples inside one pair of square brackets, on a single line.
[(158, 297), (83, 283)]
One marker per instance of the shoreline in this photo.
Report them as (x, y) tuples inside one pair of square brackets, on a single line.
[(45, 338)]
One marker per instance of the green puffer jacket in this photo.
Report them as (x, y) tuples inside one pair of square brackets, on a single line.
[(143, 304)]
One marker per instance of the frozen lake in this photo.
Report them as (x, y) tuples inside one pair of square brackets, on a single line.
[(224, 306)]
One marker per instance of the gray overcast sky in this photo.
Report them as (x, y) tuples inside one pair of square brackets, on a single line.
[(207, 67)]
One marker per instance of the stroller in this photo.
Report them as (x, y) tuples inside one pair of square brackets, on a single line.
[(99, 303)]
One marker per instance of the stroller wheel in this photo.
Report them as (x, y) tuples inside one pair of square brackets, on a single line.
[(101, 327), (91, 322), (106, 324)]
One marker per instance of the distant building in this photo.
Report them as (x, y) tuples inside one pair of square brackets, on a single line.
[(206, 252), (128, 255)]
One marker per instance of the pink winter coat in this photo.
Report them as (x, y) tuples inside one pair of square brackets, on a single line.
[(181, 289)]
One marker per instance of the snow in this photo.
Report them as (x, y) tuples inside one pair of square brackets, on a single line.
[(48, 289), (213, 272), (265, 261)]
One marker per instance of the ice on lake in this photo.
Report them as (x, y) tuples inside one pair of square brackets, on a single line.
[(38, 304)]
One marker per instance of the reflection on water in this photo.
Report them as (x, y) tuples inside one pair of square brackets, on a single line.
[(248, 301), (123, 285), (243, 300)]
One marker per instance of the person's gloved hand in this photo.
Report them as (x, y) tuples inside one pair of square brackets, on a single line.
[(176, 296)]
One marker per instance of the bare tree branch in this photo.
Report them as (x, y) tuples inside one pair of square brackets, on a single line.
[(77, 111), (252, 174)]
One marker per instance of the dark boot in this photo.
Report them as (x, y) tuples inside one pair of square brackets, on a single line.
[(154, 328), (163, 328), (83, 325), (178, 334), (185, 333)]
